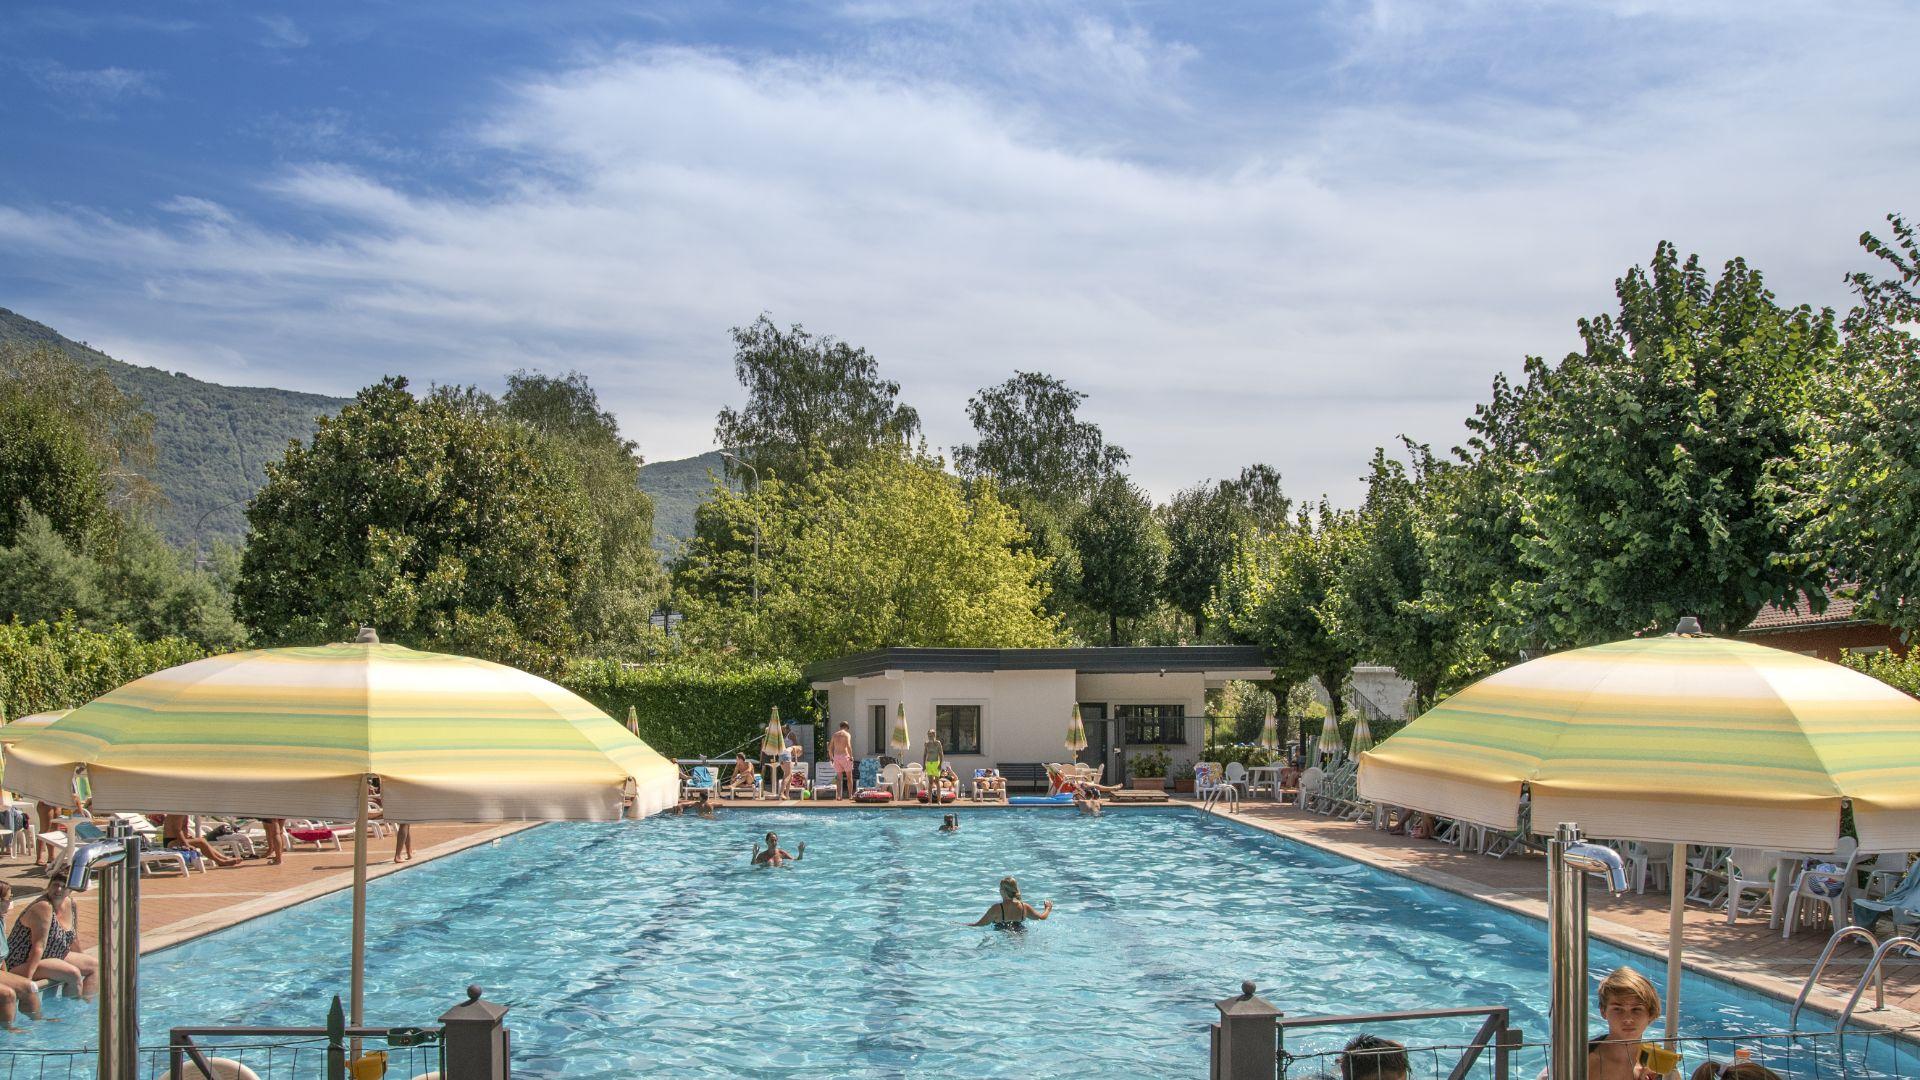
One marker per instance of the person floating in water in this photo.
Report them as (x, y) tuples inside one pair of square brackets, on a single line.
[(952, 824), (1012, 913), (1087, 798), (773, 856)]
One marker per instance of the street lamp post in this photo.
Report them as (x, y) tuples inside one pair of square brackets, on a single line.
[(756, 525)]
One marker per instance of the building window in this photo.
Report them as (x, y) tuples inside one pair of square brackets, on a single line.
[(1153, 724), (958, 727), (879, 713)]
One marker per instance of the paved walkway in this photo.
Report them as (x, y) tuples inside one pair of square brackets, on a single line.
[(175, 909), (1746, 951)]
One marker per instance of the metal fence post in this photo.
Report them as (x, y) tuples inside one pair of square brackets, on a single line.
[(336, 1041), (1246, 1040), (475, 1042)]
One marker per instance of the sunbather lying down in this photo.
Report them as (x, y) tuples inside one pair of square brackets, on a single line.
[(773, 856)]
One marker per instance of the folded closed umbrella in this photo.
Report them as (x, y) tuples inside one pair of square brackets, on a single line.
[(1330, 736), (1270, 733), (1076, 732), (1362, 735), (899, 738)]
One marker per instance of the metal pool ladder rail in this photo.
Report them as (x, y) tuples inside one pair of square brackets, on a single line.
[(1873, 971), (1902, 941)]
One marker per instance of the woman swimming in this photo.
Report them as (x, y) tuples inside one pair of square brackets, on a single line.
[(1012, 913)]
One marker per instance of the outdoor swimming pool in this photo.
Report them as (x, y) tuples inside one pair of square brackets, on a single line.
[(655, 949)]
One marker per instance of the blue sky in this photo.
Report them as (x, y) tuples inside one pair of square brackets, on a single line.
[(1281, 232)]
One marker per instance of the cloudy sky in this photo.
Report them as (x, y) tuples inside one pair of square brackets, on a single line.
[(1250, 231)]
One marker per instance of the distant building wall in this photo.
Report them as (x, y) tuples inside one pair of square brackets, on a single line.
[(1827, 642)]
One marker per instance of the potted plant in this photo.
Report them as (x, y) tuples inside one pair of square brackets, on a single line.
[(1182, 777), (1148, 772)]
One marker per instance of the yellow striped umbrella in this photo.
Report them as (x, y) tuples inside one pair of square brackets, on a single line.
[(899, 738), (21, 726), (1362, 735), (1330, 735), (1076, 732), (633, 721), (1270, 733), (774, 739), (279, 733), (1674, 740)]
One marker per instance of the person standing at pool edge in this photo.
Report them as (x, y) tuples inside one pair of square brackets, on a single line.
[(840, 752), (933, 759)]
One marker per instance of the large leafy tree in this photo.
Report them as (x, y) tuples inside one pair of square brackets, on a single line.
[(1856, 488), (440, 526), (1030, 438), (1651, 493), (1122, 553), (623, 580), (890, 551), (1379, 595), (73, 448), (808, 393), (1204, 522), (1276, 594)]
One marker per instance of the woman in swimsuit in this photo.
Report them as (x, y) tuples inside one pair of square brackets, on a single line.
[(773, 856), (41, 943), (14, 989), (1011, 913)]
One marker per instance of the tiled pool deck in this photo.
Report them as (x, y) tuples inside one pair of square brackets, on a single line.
[(174, 909)]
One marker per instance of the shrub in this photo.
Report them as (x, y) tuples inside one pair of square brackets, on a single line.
[(61, 666), (1248, 754), (689, 709), (1150, 764)]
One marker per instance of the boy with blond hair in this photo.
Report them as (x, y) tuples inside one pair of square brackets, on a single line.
[(1629, 1004)]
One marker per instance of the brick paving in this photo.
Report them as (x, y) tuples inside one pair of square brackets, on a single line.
[(1746, 951), (175, 908)]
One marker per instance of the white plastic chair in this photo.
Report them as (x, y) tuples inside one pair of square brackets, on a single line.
[(1748, 870), (1645, 863), (825, 778), (891, 776), (1236, 774), (1310, 782), (1833, 890), (1211, 788)]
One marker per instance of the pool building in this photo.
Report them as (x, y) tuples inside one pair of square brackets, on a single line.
[(1010, 706)]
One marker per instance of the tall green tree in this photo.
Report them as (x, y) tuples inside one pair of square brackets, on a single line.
[(441, 527), (624, 581), (1202, 524), (1855, 490), (1651, 494), (72, 446), (1276, 593), (1030, 438), (807, 393), (1122, 553), (1260, 497), (890, 551), (1378, 600)]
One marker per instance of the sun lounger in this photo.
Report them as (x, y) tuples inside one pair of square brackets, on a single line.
[(1902, 905), (825, 779), (700, 778)]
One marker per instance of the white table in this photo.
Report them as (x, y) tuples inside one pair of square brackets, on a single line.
[(1265, 774)]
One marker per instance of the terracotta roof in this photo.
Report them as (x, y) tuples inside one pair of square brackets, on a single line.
[(1799, 614)]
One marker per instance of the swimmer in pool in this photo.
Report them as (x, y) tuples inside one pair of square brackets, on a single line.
[(1012, 913), (773, 856), (952, 824)]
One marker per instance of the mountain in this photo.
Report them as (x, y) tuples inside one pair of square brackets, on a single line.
[(211, 442), (677, 487)]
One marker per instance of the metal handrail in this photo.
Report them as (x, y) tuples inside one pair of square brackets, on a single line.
[(1826, 954), (1494, 1032), (1900, 941)]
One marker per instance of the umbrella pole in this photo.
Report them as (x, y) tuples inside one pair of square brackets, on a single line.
[(1676, 926), (360, 905)]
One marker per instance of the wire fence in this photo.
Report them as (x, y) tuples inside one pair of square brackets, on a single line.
[(281, 1059), (1864, 1052)]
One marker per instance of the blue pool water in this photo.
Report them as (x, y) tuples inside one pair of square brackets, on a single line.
[(655, 948)]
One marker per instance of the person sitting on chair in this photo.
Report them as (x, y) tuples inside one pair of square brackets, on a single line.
[(176, 835)]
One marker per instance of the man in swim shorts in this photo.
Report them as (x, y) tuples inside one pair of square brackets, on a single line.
[(840, 750)]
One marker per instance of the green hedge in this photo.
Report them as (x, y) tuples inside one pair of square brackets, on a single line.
[(689, 710), (1900, 672), (61, 666)]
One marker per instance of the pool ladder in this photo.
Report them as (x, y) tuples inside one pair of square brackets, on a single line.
[(1875, 971)]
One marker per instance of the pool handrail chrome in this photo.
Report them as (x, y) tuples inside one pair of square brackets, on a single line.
[(1898, 941), (1826, 954)]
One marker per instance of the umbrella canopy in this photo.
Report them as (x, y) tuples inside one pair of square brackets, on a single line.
[(1270, 733), (1669, 739), (1362, 735), (775, 739), (292, 732), (899, 738), (1076, 732), (21, 726), (1330, 736)]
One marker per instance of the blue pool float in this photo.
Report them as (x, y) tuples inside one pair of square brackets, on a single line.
[(1065, 798)]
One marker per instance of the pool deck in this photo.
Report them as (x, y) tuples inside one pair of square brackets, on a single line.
[(174, 909)]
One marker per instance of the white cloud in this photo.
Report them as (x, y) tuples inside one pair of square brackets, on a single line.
[(90, 92), (282, 32), (1327, 290)]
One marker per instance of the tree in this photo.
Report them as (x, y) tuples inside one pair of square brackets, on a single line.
[(806, 392), (72, 446), (1275, 594), (1204, 522), (1122, 553), (1651, 495), (1031, 439), (624, 580), (890, 551), (1380, 588), (1856, 489), (439, 526)]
